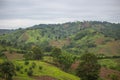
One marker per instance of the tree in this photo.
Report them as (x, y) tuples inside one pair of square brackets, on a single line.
[(28, 56), (65, 60), (89, 68), (37, 53), (56, 52), (48, 48), (30, 72), (8, 70)]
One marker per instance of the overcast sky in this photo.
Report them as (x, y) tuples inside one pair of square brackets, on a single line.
[(25, 13)]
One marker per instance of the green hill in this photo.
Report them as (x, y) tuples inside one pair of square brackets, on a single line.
[(45, 70), (75, 37)]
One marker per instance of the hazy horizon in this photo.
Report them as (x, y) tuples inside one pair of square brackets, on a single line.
[(19, 13)]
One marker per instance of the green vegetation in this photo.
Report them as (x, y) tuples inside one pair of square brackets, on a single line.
[(7, 70), (89, 68), (75, 37), (55, 50), (42, 69), (37, 53), (110, 63), (65, 61)]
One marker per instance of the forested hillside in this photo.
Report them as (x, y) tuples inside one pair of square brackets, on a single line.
[(75, 37)]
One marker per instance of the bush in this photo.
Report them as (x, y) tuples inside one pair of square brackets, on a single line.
[(40, 67), (21, 67), (21, 72), (1, 54), (113, 76), (18, 68), (33, 65), (26, 62), (30, 73), (30, 68), (25, 70)]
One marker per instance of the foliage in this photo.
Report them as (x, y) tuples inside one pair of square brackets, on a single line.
[(30, 72), (56, 52), (65, 60), (28, 56), (110, 63), (33, 65), (18, 68), (1, 54), (114, 77), (89, 68), (8, 70), (48, 48), (83, 36), (26, 62), (37, 53), (42, 69)]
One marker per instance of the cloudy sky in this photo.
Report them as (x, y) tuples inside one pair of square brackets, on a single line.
[(25, 13)]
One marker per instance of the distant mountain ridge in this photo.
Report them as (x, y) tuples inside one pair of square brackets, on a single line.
[(4, 31)]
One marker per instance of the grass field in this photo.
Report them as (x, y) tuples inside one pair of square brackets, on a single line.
[(40, 69), (46, 70)]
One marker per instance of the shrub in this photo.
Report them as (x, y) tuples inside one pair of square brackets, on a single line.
[(113, 77), (1, 54), (30, 68), (25, 70), (18, 68), (26, 62), (30, 73), (21, 72), (33, 65), (21, 67), (40, 67)]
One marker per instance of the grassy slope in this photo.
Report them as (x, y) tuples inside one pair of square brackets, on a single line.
[(47, 70)]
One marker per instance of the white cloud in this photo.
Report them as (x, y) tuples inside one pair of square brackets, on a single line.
[(23, 23), (24, 13)]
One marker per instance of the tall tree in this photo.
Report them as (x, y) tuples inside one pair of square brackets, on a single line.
[(37, 53), (89, 68), (8, 70)]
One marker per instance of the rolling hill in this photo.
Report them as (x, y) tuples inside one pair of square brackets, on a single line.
[(74, 37)]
